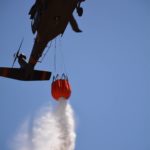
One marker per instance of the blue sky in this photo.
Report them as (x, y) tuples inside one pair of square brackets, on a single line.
[(109, 70)]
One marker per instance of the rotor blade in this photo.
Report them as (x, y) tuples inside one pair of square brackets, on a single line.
[(17, 52), (19, 47), (14, 61)]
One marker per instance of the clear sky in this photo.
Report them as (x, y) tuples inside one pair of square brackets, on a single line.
[(109, 70)]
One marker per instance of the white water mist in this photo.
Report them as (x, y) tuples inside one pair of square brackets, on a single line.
[(50, 130)]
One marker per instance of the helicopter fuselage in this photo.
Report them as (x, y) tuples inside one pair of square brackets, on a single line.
[(52, 22)]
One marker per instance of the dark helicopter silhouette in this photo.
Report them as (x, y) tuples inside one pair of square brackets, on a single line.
[(49, 18)]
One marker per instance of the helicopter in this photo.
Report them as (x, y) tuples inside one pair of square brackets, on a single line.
[(49, 19)]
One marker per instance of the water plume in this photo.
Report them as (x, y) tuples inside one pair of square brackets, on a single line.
[(49, 130)]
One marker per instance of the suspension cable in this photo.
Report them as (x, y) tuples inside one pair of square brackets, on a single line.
[(46, 52), (62, 56), (55, 56)]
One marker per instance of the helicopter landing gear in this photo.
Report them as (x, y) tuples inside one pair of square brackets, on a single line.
[(80, 11)]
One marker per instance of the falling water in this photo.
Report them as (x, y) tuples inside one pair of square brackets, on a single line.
[(50, 130)]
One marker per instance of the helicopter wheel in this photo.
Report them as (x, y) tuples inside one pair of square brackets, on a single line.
[(80, 11)]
